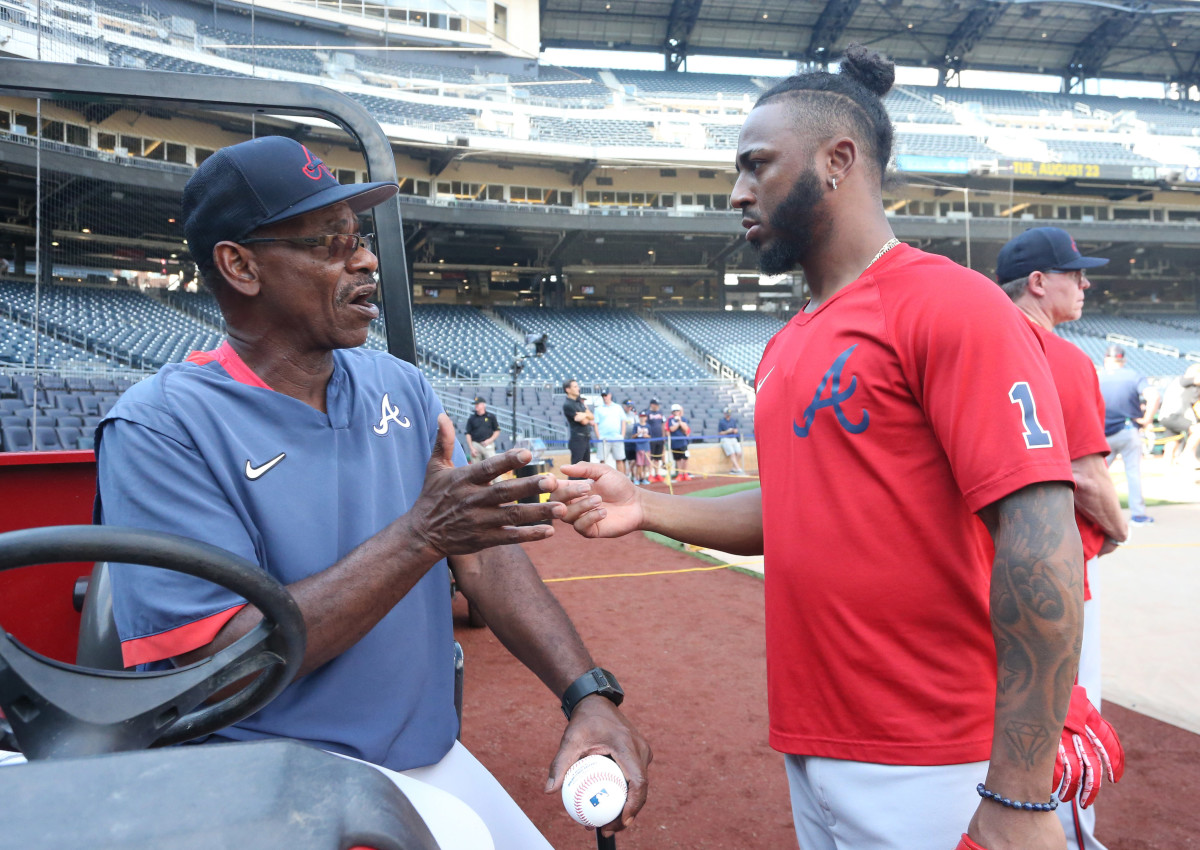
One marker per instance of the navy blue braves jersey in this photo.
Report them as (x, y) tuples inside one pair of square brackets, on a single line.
[(196, 452)]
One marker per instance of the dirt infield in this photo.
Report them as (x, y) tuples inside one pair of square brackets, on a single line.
[(689, 650)]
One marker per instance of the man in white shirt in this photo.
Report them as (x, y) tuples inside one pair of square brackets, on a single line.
[(610, 430)]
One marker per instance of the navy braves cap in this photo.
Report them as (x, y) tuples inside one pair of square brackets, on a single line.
[(1042, 249), (245, 186)]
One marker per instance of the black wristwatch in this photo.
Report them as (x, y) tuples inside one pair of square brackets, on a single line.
[(594, 681)]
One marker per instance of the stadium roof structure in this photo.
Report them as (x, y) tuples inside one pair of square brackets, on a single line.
[(1152, 40)]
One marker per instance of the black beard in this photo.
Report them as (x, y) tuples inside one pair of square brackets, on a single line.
[(798, 224)]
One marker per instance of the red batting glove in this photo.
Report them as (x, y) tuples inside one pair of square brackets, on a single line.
[(968, 844), (1088, 752)]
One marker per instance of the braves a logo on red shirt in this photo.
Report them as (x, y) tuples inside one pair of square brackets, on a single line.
[(313, 168), (837, 396)]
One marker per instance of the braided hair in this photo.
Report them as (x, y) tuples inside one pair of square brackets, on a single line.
[(848, 101)]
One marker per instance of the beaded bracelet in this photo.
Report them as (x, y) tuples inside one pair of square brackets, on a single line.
[(1017, 804)]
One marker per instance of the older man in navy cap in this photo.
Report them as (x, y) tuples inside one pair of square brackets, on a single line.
[(336, 470), (1044, 273)]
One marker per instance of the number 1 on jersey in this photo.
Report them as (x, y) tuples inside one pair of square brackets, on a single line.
[(1036, 437)]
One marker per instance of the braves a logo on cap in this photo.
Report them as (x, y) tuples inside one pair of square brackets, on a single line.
[(1073, 246), (837, 396), (389, 413), (313, 168)]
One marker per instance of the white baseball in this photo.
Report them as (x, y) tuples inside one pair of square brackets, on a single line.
[(594, 790)]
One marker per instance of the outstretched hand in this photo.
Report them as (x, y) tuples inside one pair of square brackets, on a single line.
[(612, 508), (460, 511), (598, 727)]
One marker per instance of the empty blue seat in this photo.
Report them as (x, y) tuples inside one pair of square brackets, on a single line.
[(17, 439), (68, 437)]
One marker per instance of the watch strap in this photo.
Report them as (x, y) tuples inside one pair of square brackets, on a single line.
[(594, 681)]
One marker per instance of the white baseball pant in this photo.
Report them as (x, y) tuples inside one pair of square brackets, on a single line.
[(1080, 824), (854, 805)]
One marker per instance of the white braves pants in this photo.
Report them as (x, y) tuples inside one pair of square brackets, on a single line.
[(1080, 824), (853, 805), (465, 807)]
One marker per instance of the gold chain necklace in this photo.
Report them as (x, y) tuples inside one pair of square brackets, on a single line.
[(887, 246)]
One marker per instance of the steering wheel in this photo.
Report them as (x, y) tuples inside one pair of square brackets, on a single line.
[(60, 710)]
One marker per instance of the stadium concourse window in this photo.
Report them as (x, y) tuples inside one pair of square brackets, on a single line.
[(624, 199), (461, 190), (708, 201), (418, 188), (534, 195)]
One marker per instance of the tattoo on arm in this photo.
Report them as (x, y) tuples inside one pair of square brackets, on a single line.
[(1037, 611)]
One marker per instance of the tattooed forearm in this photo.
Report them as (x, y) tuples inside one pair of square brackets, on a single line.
[(1037, 619)]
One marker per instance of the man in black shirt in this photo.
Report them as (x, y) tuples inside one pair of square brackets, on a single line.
[(580, 423), (482, 431)]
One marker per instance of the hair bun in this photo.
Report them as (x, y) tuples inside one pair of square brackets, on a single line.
[(869, 68)]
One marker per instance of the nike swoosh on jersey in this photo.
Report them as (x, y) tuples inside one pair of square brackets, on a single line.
[(764, 380), (256, 472)]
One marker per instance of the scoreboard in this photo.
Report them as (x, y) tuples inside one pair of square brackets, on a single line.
[(1082, 171)]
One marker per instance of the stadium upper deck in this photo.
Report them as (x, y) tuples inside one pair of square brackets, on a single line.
[(940, 129)]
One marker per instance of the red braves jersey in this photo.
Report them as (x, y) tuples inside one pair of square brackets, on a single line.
[(1083, 415), (885, 419)]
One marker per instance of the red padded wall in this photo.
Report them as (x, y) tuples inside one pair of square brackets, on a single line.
[(39, 489)]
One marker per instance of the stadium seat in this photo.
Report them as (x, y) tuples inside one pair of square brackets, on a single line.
[(17, 440), (68, 437), (47, 439), (68, 421)]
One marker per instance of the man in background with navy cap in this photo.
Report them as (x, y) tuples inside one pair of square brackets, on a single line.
[(335, 468), (1045, 275), (1130, 403)]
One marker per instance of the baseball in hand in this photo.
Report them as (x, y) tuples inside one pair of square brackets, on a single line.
[(594, 791)]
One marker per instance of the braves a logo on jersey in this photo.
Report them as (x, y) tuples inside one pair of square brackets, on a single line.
[(832, 381), (389, 413)]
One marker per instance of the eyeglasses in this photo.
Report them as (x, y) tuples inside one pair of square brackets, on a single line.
[(1076, 273), (341, 245)]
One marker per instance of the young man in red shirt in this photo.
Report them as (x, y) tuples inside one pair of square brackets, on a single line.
[(924, 581)]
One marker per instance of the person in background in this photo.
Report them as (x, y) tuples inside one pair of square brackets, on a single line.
[(680, 430), (731, 444), (641, 441), (482, 429), (581, 424), (1179, 417), (655, 420), (610, 430), (1130, 403), (630, 424)]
